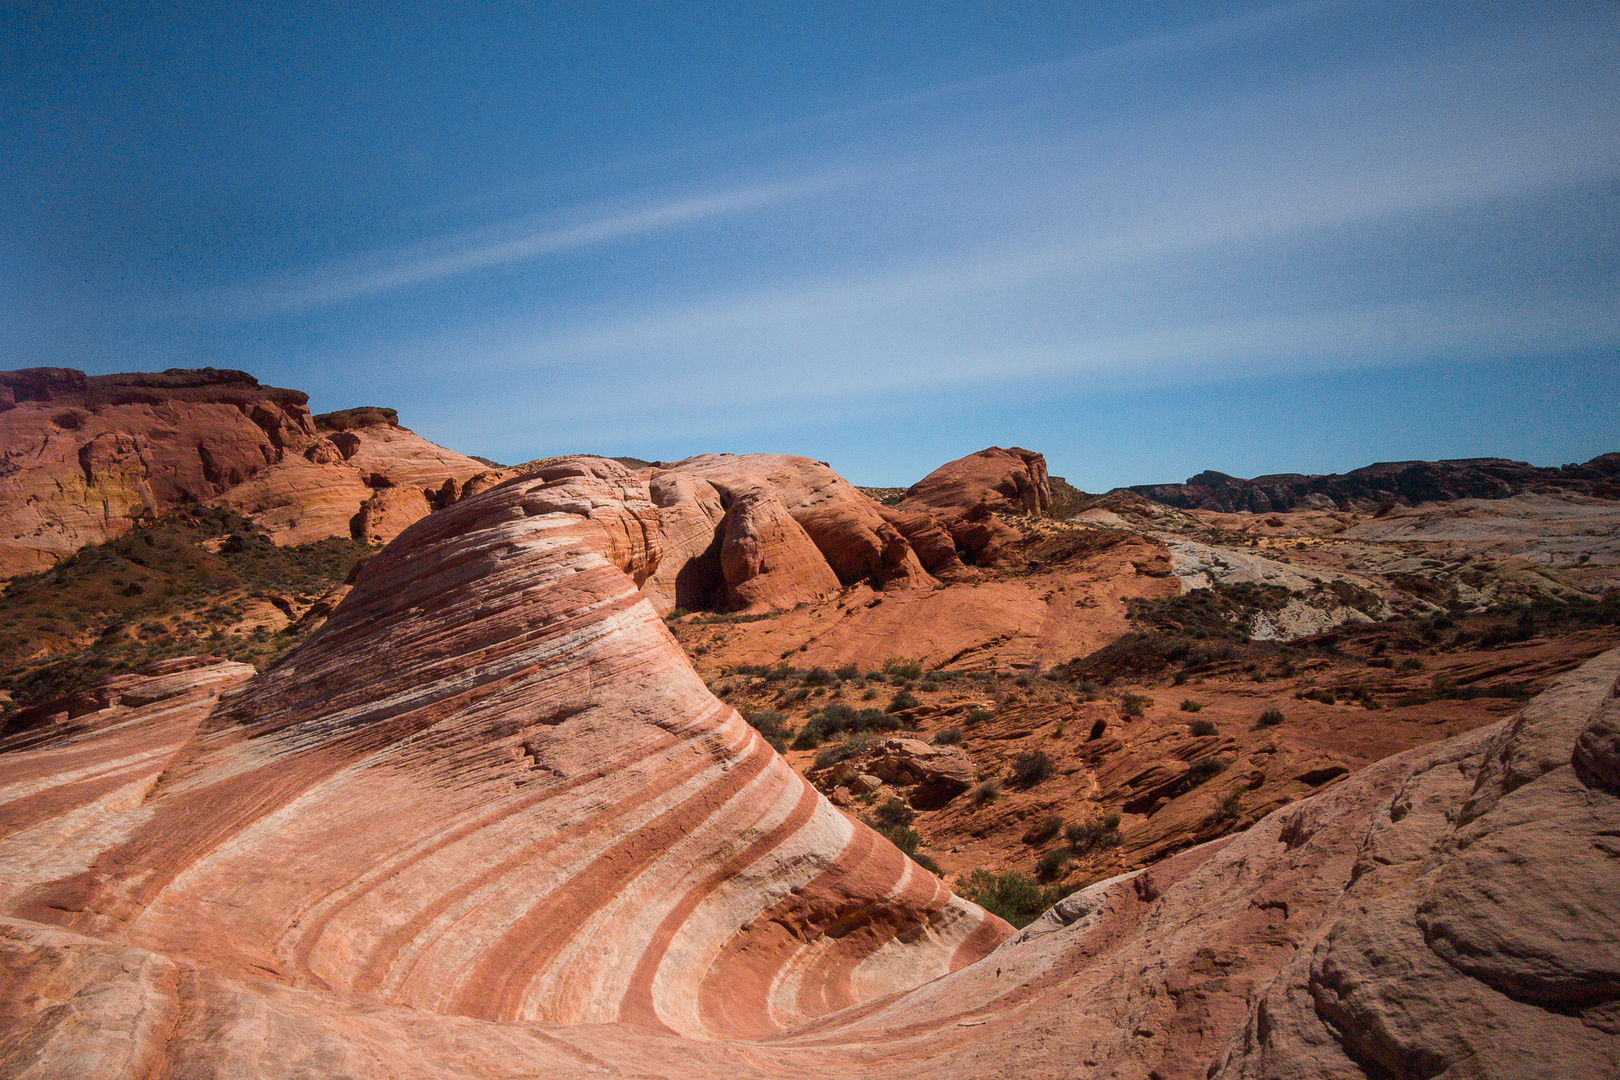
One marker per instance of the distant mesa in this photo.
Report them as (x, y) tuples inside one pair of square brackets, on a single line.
[(1405, 482)]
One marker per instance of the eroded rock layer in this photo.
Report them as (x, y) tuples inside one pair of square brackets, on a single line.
[(1447, 912), (492, 786), (83, 458)]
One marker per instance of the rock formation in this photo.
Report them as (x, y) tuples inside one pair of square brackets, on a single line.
[(487, 821), (768, 531), (85, 457), (1406, 482), (491, 786), (965, 495), (1446, 912)]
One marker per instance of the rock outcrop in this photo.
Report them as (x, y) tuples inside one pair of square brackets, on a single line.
[(1406, 482), (488, 822), (1011, 481), (84, 458), (789, 530), (491, 786), (965, 496), (362, 476)]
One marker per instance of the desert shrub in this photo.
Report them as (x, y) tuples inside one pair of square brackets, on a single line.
[(1044, 830), (870, 695), (1010, 895), (894, 811), (848, 671), (902, 668), (1030, 768), (1201, 727), (1412, 663), (1269, 718), (902, 701), (818, 676), (951, 736), (1085, 835), (926, 863), (985, 791), (1134, 704), (1228, 808), (836, 719), (900, 836), (1189, 705), (1206, 769), (976, 715), (1051, 864)]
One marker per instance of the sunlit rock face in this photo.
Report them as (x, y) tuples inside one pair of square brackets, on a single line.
[(965, 496), (492, 786), (86, 458), (782, 530)]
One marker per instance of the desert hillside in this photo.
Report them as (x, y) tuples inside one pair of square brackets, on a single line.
[(726, 765)]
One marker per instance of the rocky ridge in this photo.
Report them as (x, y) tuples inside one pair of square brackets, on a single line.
[(84, 458), (535, 753), (1405, 482), (1444, 912)]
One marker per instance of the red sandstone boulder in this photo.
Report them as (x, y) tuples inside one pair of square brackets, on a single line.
[(1011, 481), (841, 535), (965, 496)]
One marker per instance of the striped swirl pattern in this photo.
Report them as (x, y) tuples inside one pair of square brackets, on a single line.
[(492, 786)]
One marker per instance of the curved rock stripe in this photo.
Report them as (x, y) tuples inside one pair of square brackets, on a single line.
[(491, 785)]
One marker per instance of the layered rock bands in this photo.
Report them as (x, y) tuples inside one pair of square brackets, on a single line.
[(491, 786)]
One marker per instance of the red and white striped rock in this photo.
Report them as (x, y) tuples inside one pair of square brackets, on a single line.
[(492, 786), (487, 802)]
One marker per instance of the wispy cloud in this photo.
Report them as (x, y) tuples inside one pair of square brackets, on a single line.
[(532, 237), (510, 243)]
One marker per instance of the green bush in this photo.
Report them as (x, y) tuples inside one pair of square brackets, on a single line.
[(1051, 864), (902, 701), (836, 719), (1228, 808), (894, 811), (1189, 705), (902, 668), (951, 736), (985, 791), (1085, 835), (1044, 830), (1269, 718), (1201, 727), (901, 837), (1030, 768), (1206, 769), (1010, 895), (1134, 704)]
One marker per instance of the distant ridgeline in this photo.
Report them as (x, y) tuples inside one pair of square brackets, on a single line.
[(1407, 482)]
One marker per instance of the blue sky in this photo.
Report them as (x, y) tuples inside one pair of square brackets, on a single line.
[(1145, 239)]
